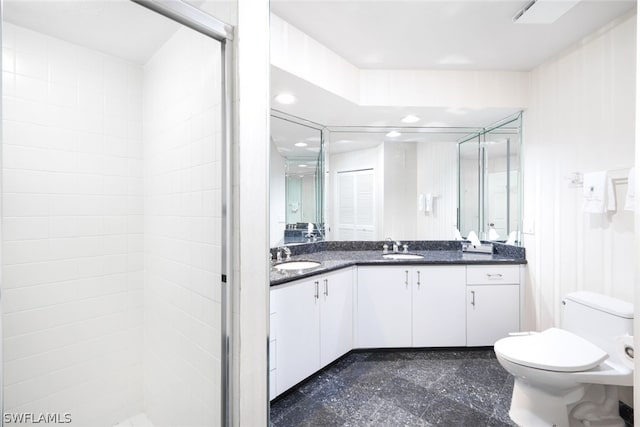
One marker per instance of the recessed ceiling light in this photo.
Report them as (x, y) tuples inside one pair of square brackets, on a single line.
[(393, 134), (456, 111), (411, 118), (300, 144), (302, 166), (285, 98)]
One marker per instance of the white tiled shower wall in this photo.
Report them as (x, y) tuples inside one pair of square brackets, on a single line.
[(73, 224), (182, 188), (75, 297)]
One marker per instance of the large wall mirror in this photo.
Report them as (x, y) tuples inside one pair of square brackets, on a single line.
[(407, 183), (490, 187), (296, 181)]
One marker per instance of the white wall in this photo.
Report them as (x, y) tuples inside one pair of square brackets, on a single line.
[(72, 230), (182, 182), (581, 119), (436, 175), (400, 195)]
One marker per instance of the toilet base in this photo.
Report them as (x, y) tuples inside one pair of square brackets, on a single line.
[(591, 405)]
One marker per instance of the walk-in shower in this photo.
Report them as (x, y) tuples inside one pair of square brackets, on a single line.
[(115, 147)]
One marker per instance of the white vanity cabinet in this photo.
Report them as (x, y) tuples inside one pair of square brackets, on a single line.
[(438, 308), (404, 306), (384, 307), (313, 321), (493, 303)]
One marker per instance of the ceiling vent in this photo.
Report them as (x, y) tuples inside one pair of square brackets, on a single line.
[(543, 11)]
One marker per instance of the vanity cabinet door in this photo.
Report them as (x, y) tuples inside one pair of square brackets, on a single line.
[(439, 306), (384, 307), (297, 308), (336, 315), (492, 312)]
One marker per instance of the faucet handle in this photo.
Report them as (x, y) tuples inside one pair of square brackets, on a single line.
[(405, 248), (385, 248)]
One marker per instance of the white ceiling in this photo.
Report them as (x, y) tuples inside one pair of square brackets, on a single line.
[(119, 28), (425, 34), (115, 27), (452, 34)]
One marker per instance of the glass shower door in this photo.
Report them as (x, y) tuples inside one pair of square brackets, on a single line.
[(113, 185)]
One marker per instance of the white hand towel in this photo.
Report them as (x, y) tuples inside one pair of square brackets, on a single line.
[(428, 202), (421, 202), (473, 238), (630, 201), (598, 193)]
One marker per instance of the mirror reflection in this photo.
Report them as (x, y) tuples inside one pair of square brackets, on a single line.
[(490, 187), (296, 182), (407, 183)]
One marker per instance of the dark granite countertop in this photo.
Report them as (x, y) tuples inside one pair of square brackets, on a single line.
[(331, 260)]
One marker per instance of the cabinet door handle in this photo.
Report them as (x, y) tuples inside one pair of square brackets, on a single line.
[(326, 287), (317, 295), (418, 282), (494, 276), (406, 277), (473, 298)]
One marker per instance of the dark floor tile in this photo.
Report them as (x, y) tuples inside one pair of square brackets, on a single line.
[(448, 413), (495, 422), (487, 372), (315, 383), (407, 396), (389, 414), (425, 373), (503, 403), (388, 356), (626, 412), (284, 403), (309, 413), (471, 394), (454, 354)]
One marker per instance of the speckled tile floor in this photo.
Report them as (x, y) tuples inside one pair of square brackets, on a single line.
[(401, 388), (452, 388)]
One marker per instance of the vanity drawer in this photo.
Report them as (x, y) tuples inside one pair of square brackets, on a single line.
[(493, 275)]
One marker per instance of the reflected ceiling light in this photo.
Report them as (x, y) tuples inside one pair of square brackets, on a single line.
[(285, 98), (411, 118), (302, 166), (344, 141), (300, 144), (393, 134)]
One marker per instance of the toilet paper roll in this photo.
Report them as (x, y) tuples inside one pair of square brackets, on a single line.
[(626, 350)]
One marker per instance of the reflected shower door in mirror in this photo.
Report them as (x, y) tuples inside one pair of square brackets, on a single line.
[(490, 181), (296, 182)]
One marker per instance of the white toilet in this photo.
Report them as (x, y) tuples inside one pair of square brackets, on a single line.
[(569, 377)]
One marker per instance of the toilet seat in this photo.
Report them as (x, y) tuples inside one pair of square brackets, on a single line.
[(552, 350)]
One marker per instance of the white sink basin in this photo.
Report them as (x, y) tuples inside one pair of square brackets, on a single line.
[(296, 265), (402, 256)]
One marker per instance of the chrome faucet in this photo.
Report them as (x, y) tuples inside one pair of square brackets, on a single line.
[(287, 252), (396, 245)]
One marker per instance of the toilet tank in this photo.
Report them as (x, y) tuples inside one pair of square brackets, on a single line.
[(597, 318)]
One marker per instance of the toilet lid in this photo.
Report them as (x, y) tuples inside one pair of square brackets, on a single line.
[(551, 350)]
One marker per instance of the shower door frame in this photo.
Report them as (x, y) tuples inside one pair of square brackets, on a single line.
[(200, 21), (208, 25)]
